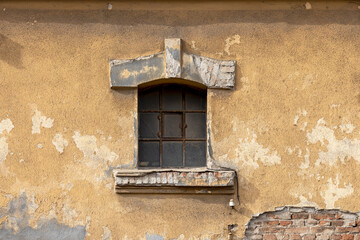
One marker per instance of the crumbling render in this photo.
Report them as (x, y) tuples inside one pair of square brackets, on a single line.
[(304, 223)]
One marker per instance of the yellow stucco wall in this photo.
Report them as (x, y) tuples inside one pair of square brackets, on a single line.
[(291, 126)]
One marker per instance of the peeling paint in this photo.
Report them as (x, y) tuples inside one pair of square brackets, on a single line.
[(193, 45), (335, 105), (107, 234), (6, 125), (308, 80), (4, 149), (87, 144), (229, 42), (347, 128), (39, 120), (17, 224), (69, 214), (304, 202), (334, 192), (297, 117), (306, 164), (59, 142), (336, 149), (249, 152)]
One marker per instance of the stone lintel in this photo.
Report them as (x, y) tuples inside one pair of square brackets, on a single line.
[(191, 181), (173, 63), (173, 57)]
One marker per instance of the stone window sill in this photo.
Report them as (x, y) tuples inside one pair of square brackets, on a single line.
[(174, 181)]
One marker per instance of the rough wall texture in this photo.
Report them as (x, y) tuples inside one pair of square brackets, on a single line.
[(290, 127), (304, 223)]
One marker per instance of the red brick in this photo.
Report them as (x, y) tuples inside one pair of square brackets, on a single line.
[(348, 236), (269, 237), (337, 223), (322, 229), (324, 223), (285, 223), (300, 215), (271, 223), (348, 229), (297, 230), (311, 222), (272, 215), (357, 237), (271, 230), (295, 237), (320, 216), (335, 237)]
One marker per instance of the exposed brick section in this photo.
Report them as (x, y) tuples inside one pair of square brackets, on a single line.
[(305, 223), (302, 215)]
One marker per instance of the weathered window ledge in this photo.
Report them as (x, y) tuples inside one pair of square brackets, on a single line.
[(185, 181)]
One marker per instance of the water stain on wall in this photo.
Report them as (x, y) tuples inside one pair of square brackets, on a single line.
[(15, 224)]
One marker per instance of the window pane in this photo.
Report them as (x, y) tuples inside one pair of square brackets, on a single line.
[(196, 125), (195, 154), (172, 125), (149, 155), (172, 154), (195, 100), (148, 125), (172, 98), (149, 100)]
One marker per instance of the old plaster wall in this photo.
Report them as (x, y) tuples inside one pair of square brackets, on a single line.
[(291, 126)]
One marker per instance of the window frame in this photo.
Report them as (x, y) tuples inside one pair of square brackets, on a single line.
[(185, 88)]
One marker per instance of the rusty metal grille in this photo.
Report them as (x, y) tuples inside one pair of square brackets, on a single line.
[(172, 126)]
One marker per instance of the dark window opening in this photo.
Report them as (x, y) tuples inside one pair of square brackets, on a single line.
[(172, 126)]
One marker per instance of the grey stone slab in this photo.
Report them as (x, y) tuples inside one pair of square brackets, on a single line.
[(173, 63)]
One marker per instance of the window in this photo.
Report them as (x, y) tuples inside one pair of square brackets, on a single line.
[(172, 127), (172, 132)]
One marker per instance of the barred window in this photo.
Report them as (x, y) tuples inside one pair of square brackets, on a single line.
[(172, 126)]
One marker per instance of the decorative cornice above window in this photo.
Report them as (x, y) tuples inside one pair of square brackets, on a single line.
[(191, 181), (173, 63)]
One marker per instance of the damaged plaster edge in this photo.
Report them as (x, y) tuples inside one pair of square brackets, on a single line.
[(141, 172), (175, 181), (115, 62), (308, 209), (229, 63)]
